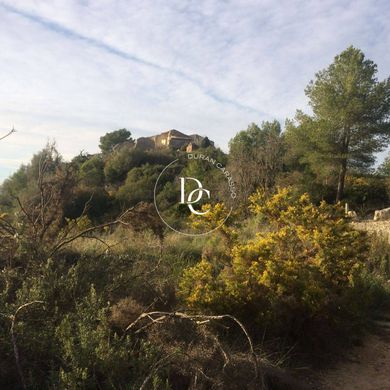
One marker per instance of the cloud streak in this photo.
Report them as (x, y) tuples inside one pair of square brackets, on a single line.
[(71, 34)]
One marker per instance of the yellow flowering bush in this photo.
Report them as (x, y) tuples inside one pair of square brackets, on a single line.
[(199, 284), (215, 219), (305, 262)]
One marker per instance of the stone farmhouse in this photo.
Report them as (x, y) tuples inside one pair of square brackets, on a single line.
[(170, 139)]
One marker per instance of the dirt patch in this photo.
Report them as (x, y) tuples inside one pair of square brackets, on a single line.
[(366, 367)]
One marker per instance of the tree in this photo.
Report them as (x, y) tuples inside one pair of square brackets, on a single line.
[(255, 157), (92, 172), (123, 159), (205, 143), (365, 193), (44, 169), (139, 185), (13, 185), (308, 160), (350, 121), (108, 141)]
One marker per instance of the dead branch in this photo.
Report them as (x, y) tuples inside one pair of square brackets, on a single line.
[(8, 134), (24, 211), (223, 352), (85, 232), (159, 316)]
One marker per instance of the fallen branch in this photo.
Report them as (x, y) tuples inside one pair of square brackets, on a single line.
[(156, 317)]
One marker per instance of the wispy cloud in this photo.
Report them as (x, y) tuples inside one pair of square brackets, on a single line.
[(72, 70), (71, 34)]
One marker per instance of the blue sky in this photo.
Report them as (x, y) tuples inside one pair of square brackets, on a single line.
[(72, 70)]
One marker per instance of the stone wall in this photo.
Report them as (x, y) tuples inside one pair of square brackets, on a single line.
[(378, 227)]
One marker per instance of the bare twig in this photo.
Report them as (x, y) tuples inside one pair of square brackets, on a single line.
[(9, 133), (27, 215), (156, 366), (108, 246)]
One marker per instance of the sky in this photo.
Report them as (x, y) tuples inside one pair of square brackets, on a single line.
[(72, 70)]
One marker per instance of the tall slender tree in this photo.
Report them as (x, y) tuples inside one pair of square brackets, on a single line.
[(351, 116)]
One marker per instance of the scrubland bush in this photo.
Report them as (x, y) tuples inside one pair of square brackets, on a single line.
[(305, 267)]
